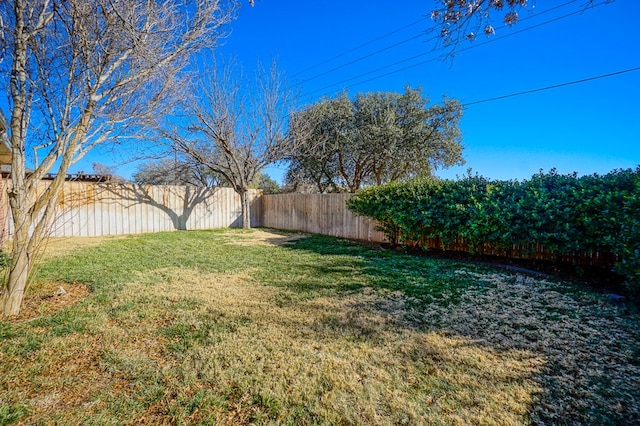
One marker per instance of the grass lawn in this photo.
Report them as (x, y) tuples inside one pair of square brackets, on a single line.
[(260, 327)]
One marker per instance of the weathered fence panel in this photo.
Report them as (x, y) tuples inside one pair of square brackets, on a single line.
[(325, 214), (95, 209)]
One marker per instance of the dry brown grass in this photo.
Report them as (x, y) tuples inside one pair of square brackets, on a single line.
[(261, 237), (590, 345), (43, 298), (342, 358), (54, 247), (46, 299)]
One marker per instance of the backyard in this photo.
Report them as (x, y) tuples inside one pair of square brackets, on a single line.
[(266, 327)]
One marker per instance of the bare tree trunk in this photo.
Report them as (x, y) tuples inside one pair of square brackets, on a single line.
[(246, 211), (18, 278), (16, 285)]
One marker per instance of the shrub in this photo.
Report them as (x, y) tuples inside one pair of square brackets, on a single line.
[(395, 206), (566, 214)]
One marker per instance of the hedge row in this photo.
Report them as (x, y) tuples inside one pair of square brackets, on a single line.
[(566, 214)]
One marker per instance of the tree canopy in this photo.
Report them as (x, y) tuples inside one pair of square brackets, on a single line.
[(266, 183), (375, 138)]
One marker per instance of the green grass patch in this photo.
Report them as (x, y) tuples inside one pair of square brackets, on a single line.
[(262, 327)]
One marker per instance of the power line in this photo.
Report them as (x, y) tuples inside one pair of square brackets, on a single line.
[(432, 59), (362, 45), (555, 86), (358, 59), (308, 95), (363, 57)]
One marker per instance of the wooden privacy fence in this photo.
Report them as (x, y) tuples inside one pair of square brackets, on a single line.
[(325, 214), (527, 252), (97, 209)]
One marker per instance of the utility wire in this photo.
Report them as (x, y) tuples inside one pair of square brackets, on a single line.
[(309, 95), (358, 59), (362, 58), (555, 86), (361, 46)]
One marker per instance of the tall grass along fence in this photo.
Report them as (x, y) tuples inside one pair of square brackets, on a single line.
[(589, 220), (97, 209)]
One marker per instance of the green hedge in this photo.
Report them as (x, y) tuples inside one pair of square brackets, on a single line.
[(566, 214)]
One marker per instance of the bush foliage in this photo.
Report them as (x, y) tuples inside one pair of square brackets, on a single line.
[(566, 214)]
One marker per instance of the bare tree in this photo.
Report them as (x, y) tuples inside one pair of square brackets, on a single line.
[(106, 173), (466, 19), (79, 74), (236, 130)]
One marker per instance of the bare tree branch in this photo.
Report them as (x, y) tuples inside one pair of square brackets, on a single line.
[(235, 130)]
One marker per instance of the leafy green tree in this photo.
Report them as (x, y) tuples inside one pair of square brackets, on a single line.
[(375, 138), (266, 183), (320, 129)]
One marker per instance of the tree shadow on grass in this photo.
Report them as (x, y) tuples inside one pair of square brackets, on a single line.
[(353, 266), (590, 346)]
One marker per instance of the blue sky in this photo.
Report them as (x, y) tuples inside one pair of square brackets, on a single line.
[(589, 128), (592, 127)]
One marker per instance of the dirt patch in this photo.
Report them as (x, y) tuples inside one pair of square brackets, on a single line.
[(48, 298), (44, 298), (55, 247), (258, 237)]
